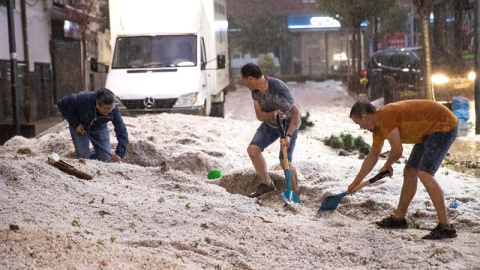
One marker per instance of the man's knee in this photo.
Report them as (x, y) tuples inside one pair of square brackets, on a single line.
[(410, 173), (425, 177), (253, 150)]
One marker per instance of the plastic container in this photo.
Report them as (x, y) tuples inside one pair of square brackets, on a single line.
[(460, 107), (214, 174)]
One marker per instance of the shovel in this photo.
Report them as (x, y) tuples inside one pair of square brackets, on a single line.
[(288, 195), (331, 202), (97, 144)]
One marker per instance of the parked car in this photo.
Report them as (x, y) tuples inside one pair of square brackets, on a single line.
[(404, 68)]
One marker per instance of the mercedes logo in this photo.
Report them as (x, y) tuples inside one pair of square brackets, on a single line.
[(148, 102)]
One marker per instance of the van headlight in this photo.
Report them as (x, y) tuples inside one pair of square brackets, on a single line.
[(440, 79), (190, 99), (472, 75)]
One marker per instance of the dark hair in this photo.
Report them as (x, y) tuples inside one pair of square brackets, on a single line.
[(361, 108), (105, 97), (252, 70)]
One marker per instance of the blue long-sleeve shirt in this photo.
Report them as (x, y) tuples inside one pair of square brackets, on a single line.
[(80, 108)]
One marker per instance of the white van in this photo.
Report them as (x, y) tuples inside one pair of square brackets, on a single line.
[(169, 56)]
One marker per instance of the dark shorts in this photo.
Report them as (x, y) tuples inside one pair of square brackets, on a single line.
[(429, 154), (266, 135)]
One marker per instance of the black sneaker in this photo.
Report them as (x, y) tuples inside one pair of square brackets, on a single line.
[(441, 232), (392, 223), (262, 189)]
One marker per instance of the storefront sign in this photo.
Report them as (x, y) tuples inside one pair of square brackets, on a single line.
[(396, 40), (312, 21)]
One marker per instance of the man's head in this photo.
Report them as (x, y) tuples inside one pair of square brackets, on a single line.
[(250, 73), (105, 101), (363, 113)]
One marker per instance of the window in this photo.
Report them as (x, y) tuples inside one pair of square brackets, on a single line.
[(3, 3)]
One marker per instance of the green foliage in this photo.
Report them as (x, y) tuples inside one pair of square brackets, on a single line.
[(76, 223), (103, 213), (266, 63), (306, 123), (347, 142), (352, 13), (104, 22)]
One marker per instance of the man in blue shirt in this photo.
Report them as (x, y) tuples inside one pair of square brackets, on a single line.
[(271, 97), (89, 112)]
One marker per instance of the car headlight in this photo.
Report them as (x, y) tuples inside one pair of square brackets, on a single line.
[(440, 79), (472, 75)]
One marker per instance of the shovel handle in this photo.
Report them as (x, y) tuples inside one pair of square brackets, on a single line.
[(281, 127), (97, 144), (374, 179)]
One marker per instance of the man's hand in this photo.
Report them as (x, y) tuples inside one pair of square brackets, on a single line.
[(115, 158), (280, 113), (351, 187), (387, 168), (80, 129), (285, 142)]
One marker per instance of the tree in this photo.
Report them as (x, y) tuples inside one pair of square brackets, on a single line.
[(104, 21), (391, 21), (423, 9), (259, 32), (351, 13)]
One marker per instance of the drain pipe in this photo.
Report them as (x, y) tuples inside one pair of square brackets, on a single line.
[(13, 65)]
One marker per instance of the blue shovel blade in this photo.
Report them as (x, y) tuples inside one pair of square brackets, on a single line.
[(289, 195), (331, 202)]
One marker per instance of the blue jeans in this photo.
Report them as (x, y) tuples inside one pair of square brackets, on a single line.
[(429, 154), (266, 135), (82, 144)]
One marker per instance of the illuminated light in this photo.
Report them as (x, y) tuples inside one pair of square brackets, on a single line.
[(472, 75), (324, 22), (221, 25), (340, 56), (440, 79)]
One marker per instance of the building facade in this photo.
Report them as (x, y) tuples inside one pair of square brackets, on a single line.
[(53, 40), (317, 43)]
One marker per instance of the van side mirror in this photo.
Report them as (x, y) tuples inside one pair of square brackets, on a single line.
[(93, 64), (221, 61)]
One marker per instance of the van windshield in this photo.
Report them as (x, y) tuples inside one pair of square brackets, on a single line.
[(155, 51)]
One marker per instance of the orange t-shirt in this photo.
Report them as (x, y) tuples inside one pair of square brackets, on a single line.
[(415, 120)]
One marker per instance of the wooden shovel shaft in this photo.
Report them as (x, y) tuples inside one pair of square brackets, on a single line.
[(374, 179), (286, 167)]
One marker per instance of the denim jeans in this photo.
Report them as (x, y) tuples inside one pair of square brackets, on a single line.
[(82, 144), (266, 135), (429, 154)]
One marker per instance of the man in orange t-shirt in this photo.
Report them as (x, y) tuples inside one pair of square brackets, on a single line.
[(432, 127)]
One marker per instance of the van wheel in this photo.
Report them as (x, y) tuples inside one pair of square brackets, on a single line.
[(218, 109)]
